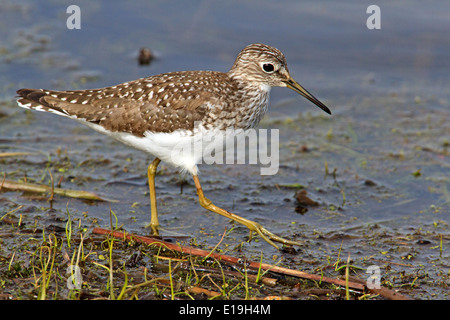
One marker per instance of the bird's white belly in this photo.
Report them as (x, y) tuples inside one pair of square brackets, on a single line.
[(179, 148)]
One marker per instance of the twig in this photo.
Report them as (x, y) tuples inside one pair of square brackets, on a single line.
[(209, 293), (249, 264), (38, 188), (14, 154)]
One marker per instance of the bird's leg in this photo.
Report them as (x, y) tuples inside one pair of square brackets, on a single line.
[(151, 171), (253, 226)]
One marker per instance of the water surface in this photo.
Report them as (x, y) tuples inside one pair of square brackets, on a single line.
[(381, 160)]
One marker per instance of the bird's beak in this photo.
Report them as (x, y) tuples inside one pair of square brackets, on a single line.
[(294, 85)]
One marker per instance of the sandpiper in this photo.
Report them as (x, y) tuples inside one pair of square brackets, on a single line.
[(160, 113)]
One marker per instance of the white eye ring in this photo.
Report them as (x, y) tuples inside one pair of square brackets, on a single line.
[(268, 67)]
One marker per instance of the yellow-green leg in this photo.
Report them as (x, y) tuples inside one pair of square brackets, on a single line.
[(151, 172), (253, 226)]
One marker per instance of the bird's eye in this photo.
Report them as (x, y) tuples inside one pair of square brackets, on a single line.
[(268, 67)]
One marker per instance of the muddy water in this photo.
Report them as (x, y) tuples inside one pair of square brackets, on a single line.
[(378, 168)]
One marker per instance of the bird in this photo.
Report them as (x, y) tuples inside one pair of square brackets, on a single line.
[(166, 113)]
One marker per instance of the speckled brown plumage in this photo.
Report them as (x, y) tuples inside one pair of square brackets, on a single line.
[(173, 116), (162, 103), (172, 101)]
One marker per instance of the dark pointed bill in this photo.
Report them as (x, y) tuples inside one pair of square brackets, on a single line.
[(294, 85)]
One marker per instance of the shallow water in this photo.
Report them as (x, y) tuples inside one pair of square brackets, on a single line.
[(380, 161)]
